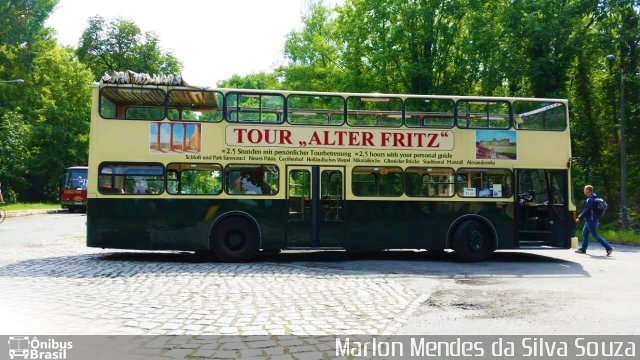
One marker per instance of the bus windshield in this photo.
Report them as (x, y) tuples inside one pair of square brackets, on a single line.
[(76, 179)]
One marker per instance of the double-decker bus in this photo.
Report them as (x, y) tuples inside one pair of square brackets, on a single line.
[(234, 172), (73, 188)]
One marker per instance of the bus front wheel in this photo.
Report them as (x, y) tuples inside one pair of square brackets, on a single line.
[(235, 240), (472, 241)]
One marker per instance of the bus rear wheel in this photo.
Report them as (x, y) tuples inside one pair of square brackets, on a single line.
[(472, 241), (235, 240)]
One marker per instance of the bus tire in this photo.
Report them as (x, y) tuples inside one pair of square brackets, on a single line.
[(472, 241), (235, 240)]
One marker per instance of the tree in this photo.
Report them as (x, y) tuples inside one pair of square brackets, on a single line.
[(60, 114), (313, 53), (120, 45), (251, 81), (14, 151)]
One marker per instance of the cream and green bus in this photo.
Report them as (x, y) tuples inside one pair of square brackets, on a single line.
[(234, 172)]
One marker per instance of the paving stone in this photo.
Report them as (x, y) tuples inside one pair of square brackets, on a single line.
[(67, 288)]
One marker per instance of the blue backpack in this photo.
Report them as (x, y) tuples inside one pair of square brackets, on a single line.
[(600, 207)]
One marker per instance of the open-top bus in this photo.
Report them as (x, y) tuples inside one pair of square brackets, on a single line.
[(73, 188), (233, 171)]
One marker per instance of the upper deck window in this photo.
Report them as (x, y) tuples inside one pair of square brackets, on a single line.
[(195, 105), (483, 114), (315, 109), (421, 112), (134, 103), (536, 115), (374, 111), (250, 107)]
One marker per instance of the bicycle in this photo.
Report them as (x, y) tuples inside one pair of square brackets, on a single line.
[(3, 214)]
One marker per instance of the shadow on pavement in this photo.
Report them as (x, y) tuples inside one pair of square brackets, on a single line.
[(511, 264)]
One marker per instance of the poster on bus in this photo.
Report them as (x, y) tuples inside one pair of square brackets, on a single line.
[(496, 144)]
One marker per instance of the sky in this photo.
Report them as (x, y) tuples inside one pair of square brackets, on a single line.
[(214, 39), (488, 135)]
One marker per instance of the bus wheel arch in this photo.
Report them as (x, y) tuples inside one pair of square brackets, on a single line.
[(472, 238), (235, 237)]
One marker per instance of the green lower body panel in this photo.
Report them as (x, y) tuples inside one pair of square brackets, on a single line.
[(168, 224)]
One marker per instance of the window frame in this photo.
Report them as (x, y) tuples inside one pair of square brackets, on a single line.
[(163, 177), (458, 122), (135, 106), (343, 112), (454, 183), (221, 105), (228, 109), (167, 170), (461, 194), (374, 96), (377, 182), (405, 112), (565, 113), (226, 179)]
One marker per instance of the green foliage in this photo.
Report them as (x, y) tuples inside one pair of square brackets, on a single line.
[(60, 134), (540, 48), (14, 152), (530, 48), (120, 45), (251, 81)]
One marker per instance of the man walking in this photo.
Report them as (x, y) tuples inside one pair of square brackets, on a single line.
[(591, 222)]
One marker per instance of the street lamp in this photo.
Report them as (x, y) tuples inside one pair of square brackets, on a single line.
[(623, 151), (16, 81)]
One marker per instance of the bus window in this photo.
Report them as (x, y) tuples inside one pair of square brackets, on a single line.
[(374, 111), (300, 184), (430, 182), (377, 181), (199, 105), (535, 115), (484, 183), (252, 179), (331, 184), (248, 107), (132, 103), (115, 178), (315, 109), (194, 179), (421, 112), (477, 114)]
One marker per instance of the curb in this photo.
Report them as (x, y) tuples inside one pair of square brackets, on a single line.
[(35, 212)]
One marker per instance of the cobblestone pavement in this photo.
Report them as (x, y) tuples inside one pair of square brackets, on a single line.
[(66, 288)]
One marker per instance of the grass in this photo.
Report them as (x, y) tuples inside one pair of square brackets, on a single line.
[(622, 236), (616, 236), (31, 206)]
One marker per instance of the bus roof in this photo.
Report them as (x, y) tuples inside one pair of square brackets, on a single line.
[(321, 93)]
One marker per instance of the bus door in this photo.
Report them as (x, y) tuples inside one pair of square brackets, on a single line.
[(542, 214), (315, 207)]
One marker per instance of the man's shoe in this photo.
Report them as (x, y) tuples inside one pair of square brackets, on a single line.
[(609, 252), (580, 251)]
